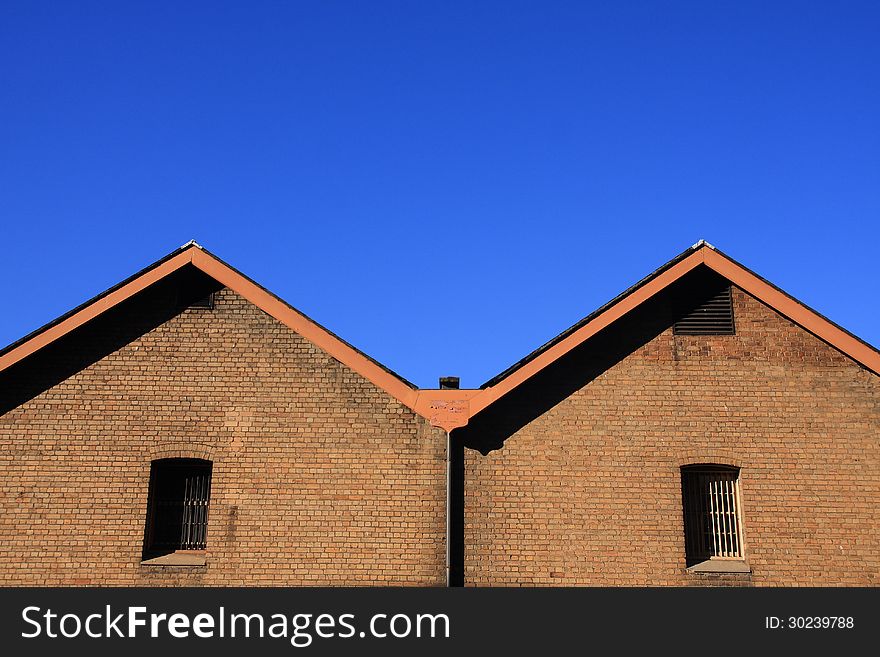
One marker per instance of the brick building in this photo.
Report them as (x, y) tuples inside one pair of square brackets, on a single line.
[(187, 427)]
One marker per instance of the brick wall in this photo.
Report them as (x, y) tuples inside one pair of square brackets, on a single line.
[(586, 488), (322, 478), (319, 477)]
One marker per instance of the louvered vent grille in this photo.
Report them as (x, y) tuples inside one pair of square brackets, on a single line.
[(205, 302), (714, 317)]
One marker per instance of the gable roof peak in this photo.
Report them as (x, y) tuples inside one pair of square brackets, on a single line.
[(193, 254), (700, 254)]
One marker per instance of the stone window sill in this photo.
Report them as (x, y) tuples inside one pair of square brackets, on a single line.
[(179, 558), (720, 566)]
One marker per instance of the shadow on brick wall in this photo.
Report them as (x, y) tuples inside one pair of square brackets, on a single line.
[(489, 429), (103, 335)]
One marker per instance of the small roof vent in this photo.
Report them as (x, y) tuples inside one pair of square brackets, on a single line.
[(713, 317), (205, 302)]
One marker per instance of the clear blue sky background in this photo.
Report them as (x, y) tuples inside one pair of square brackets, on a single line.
[(446, 185)]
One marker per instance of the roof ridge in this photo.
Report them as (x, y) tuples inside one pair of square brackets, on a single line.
[(860, 351)]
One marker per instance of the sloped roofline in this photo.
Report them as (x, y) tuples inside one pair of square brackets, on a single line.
[(586, 320), (193, 254), (450, 409), (701, 253)]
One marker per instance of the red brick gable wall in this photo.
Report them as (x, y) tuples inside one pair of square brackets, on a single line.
[(319, 477), (589, 492)]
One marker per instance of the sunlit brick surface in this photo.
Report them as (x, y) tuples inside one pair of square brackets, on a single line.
[(319, 478), (589, 492)]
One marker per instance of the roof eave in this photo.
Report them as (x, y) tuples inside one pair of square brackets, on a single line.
[(701, 253), (196, 255)]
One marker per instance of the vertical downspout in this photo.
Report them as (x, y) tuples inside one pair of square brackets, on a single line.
[(448, 507), (454, 524), (456, 508)]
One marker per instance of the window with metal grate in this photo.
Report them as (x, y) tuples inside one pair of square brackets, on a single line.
[(180, 491), (712, 513), (713, 317)]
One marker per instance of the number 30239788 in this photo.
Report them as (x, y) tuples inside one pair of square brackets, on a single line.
[(809, 623)]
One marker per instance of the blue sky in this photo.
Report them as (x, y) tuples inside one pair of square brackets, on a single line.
[(446, 185)]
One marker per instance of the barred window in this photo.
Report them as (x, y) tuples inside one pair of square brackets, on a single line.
[(177, 516), (712, 513)]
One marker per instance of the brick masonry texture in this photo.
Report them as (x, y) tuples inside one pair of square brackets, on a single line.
[(588, 492), (319, 477)]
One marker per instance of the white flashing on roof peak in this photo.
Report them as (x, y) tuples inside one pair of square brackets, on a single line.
[(703, 243), (192, 243)]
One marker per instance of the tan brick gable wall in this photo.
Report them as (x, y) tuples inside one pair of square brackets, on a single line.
[(589, 492), (319, 477)]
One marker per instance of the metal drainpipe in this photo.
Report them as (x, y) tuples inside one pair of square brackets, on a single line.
[(448, 383), (448, 506)]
